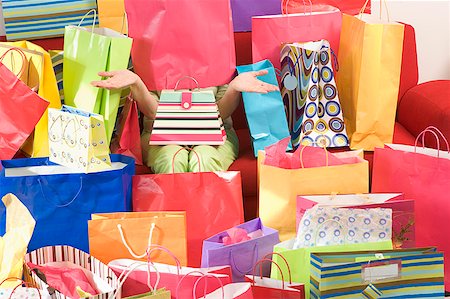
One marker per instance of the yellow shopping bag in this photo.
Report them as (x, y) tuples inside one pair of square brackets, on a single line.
[(370, 57), (37, 144), (77, 139), (13, 245), (279, 187), (111, 14)]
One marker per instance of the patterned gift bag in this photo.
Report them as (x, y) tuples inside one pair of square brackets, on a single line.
[(78, 140), (310, 95)]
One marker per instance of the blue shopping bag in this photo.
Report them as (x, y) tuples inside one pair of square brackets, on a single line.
[(62, 200), (265, 113)]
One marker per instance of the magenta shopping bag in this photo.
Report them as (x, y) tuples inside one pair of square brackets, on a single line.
[(240, 256), (177, 38), (244, 10)]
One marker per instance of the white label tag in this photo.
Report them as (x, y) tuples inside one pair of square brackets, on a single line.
[(381, 271)]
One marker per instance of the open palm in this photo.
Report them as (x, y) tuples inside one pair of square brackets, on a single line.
[(248, 82)]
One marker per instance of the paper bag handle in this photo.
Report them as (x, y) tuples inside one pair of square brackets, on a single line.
[(186, 148), (130, 250), (66, 204), (271, 261), (285, 261), (184, 78), (22, 282), (93, 22), (233, 262), (361, 11), (24, 59), (301, 156), (433, 130), (194, 289), (132, 267)]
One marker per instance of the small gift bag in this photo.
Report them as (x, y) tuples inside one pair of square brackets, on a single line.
[(78, 140), (187, 118), (310, 95), (21, 289)]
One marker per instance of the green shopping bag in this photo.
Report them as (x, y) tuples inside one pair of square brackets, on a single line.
[(299, 259), (88, 51)]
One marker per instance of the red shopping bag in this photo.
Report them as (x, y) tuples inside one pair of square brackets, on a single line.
[(269, 288), (212, 201), (422, 174), (128, 139), (167, 276), (20, 109), (351, 7), (177, 38), (269, 33)]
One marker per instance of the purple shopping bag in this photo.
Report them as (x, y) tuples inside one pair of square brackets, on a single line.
[(244, 10), (241, 256)]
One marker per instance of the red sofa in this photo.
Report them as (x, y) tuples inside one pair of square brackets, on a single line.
[(419, 106)]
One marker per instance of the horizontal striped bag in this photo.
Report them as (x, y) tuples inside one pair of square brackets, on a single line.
[(187, 118), (405, 273), (35, 19)]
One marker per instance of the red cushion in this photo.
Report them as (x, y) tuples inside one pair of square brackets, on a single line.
[(427, 104)]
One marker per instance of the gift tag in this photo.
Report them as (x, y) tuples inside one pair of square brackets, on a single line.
[(290, 82)]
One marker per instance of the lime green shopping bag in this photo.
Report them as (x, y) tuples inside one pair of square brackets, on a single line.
[(299, 260), (88, 51)]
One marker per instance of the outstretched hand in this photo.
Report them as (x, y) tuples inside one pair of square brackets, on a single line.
[(116, 79), (248, 82)]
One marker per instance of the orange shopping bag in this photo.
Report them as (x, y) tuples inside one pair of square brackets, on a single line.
[(129, 235)]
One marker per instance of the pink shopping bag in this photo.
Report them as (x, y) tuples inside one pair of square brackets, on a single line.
[(271, 32), (424, 175), (176, 38)]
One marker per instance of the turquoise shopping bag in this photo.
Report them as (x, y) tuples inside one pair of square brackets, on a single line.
[(265, 112)]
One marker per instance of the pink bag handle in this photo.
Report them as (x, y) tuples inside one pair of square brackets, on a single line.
[(194, 289), (24, 59), (22, 282), (184, 78), (279, 269), (286, 11), (285, 261), (185, 148), (152, 248), (430, 130), (196, 282)]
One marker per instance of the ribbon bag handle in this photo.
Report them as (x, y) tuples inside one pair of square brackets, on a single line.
[(24, 59), (130, 250)]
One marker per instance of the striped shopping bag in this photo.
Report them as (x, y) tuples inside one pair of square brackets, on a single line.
[(405, 273), (57, 63), (187, 118), (35, 19)]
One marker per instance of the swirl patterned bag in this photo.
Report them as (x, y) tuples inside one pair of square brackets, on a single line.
[(78, 140), (310, 95)]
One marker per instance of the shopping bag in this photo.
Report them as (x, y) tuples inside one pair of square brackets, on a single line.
[(405, 273), (270, 32), (310, 95), (351, 7), (240, 256), (128, 235), (20, 110), (19, 226), (403, 224), (101, 277), (265, 113), (187, 117), (324, 226), (300, 262), (57, 57), (20, 289), (205, 53), (127, 140), (37, 19), (62, 200), (32, 65), (37, 144), (88, 51), (244, 10), (370, 56), (240, 290), (212, 201), (77, 139), (268, 288), (111, 14), (170, 276), (279, 187), (423, 175)]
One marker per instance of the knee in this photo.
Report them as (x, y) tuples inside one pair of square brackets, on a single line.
[(170, 158), (209, 159)]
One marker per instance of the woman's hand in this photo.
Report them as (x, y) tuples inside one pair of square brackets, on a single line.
[(117, 79), (248, 82)]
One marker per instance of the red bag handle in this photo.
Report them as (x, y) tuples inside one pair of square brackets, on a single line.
[(196, 282), (278, 266), (22, 282)]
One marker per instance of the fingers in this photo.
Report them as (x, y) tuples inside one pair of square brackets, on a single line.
[(260, 73), (107, 74), (103, 84)]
